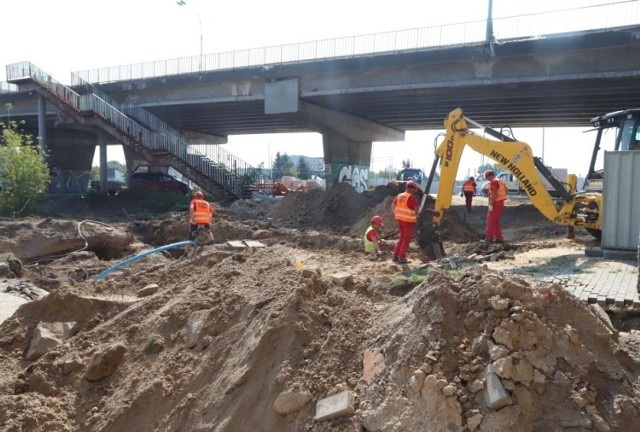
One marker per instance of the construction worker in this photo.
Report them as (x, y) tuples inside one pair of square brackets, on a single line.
[(372, 236), (405, 210), (468, 190), (497, 196), (200, 217)]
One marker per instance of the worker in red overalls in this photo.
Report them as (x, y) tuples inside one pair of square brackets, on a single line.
[(405, 211), (497, 196), (468, 190)]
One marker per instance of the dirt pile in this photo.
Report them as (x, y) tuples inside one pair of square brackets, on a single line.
[(220, 338), (339, 207)]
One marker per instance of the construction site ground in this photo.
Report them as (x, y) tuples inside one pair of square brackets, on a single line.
[(284, 324)]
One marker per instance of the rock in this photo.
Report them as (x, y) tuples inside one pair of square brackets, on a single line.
[(495, 396), (104, 362), (449, 390), (291, 401), (499, 303), (44, 340), (194, 326), (415, 382), (71, 365), (148, 290), (4, 269), (342, 279), (497, 352), (474, 421)]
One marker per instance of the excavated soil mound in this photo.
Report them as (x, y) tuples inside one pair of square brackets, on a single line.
[(338, 207), (228, 334)]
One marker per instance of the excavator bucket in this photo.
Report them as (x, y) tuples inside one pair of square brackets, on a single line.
[(428, 238)]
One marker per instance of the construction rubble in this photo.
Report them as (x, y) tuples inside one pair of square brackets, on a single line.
[(304, 334)]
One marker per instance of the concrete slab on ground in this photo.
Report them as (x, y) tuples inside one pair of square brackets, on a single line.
[(8, 305)]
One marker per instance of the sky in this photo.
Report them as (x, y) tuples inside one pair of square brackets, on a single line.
[(65, 36)]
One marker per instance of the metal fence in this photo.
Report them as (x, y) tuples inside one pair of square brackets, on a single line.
[(611, 15), (6, 87)]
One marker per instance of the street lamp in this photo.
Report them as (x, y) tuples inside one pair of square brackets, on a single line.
[(184, 3)]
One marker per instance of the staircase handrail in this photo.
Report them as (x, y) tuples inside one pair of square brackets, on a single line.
[(91, 102)]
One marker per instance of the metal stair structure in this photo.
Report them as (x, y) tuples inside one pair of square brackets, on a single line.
[(217, 171)]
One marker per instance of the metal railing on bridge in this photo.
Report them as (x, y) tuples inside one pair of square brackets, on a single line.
[(154, 134), (210, 157), (611, 15), (6, 87)]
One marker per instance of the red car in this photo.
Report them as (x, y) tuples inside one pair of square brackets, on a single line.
[(157, 181)]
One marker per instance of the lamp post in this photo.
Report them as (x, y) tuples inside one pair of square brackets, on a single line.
[(184, 3)]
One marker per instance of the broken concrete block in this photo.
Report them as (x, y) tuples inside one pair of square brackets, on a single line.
[(44, 340), (291, 401), (372, 363), (338, 405), (148, 290), (104, 362), (194, 326), (604, 317), (342, 279), (255, 244), (237, 244), (495, 396)]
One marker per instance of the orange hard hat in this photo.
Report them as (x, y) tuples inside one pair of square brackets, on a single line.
[(198, 195), (376, 220), (412, 184), (488, 173)]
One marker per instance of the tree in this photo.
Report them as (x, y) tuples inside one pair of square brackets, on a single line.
[(24, 173), (282, 166), (95, 170), (487, 166), (304, 171)]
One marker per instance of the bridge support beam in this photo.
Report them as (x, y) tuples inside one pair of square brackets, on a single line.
[(346, 138), (346, 161), (102, 148), (71, 174), (42, 124)]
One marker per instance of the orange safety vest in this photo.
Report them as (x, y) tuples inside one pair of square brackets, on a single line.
[(202, 212), (468, 186), (402, 211), (502, 191)]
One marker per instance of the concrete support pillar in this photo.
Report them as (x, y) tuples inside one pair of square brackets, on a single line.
[(346, 161), (102, 145), (42, 125), (133, 160)]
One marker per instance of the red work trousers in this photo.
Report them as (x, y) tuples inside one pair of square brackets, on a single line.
[(404, 238), (494, 233), (468, 196)]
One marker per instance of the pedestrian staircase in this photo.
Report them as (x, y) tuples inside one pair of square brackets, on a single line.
[(215, 170)]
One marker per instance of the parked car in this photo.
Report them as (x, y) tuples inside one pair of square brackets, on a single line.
[(157, 181)]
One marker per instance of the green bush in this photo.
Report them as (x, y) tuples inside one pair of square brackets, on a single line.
[(24, 173)]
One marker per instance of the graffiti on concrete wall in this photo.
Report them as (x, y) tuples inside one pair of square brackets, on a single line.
[(69, 181), (355, 175)]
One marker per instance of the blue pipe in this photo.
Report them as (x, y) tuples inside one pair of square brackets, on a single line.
[(142, 255)]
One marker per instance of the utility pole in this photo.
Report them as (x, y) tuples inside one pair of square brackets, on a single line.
[(184, 3)]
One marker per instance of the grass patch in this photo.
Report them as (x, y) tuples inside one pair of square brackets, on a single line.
[(412, 277), (583, 271)]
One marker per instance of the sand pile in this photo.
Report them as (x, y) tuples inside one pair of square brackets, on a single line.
[(253, 340)]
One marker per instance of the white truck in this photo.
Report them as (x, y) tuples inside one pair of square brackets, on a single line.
[(513, 186)]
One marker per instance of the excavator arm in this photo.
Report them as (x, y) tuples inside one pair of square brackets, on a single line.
[(577, 209)]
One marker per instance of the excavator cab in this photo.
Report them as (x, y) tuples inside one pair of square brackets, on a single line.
[(616, 131)]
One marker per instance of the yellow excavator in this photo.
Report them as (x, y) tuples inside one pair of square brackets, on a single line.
[(573, 208)]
